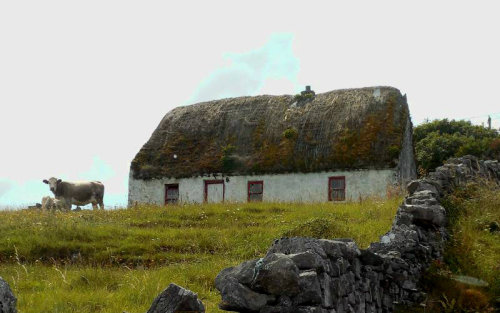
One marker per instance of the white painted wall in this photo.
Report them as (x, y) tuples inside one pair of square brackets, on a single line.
[(296, 187)]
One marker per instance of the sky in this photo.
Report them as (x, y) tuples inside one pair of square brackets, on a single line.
[(83, 84)]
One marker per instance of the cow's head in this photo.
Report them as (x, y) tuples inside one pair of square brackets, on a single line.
[(53, 183)]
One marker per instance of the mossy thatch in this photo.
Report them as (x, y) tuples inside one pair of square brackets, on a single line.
[(342, 129)]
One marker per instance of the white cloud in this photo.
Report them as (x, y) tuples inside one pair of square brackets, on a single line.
[(248, 72)]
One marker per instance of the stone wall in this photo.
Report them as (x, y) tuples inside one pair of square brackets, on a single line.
[(299, 275)]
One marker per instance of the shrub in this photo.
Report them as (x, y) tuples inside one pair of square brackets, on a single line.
[(439, 140)]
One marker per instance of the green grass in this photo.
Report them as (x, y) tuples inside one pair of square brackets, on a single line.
[(115, 261)]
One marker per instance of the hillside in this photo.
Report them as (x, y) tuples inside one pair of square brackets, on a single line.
[(111, 261)]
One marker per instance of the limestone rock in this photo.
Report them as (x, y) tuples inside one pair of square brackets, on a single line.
[(7, 299), (306, 260), (278, 276), (176, 299), (243, 273), (310, 290), (240, 298), (421, 185), (426, 215), (297, 245)]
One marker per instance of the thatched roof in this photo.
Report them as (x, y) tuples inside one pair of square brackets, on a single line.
[(341, 129)]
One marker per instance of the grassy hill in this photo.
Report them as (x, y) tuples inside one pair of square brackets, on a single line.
[(115, 261)]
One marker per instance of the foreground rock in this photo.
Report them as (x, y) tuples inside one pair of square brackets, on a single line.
[(176, 299), (326, 276), (7, 299)]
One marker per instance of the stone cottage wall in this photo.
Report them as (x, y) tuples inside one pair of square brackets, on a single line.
[(299, 275), (291, 187)]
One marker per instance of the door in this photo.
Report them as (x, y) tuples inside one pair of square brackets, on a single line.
[(214, 191)]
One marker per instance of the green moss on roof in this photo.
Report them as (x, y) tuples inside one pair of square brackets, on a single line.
[(342, 129)]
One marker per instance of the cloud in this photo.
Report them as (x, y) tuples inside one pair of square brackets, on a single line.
[(5, 186), (249, 71), (22, 194), (99, 170)]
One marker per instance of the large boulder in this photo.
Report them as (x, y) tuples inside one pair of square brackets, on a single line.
[(426, 215), (176, 299), (243, 273), (240, 298), (278, 275), (296, 245), (7, 299), (310, 290), (421, 185)]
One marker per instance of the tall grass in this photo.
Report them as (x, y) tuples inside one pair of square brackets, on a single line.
[(472, 251), (115, 261)]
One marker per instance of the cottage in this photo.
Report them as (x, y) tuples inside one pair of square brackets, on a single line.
[(334, 146)]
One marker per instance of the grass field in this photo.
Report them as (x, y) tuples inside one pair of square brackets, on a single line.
[(119, 260)]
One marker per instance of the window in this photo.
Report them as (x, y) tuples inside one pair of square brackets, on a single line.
[(255, 190), (171, 193), (336, 188)]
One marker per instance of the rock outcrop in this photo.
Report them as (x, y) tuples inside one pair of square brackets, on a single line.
[(321, 275), (176, 299), (7, 299)]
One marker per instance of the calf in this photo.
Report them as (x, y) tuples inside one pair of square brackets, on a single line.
[(49, 203)]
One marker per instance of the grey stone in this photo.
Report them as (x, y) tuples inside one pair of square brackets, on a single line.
[(278, 276), (296, 245), (310, 290), (369, 258), (243, 273), (309, 309), (328, 293), (240, 298), (8, 301), (421, 185), (409, 285), (331, 248), (427, 216), (175, 299), (307, 260)]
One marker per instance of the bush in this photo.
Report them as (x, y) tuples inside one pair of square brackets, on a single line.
[(439, 140)]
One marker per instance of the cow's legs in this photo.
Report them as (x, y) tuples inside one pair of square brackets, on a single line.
[(94, 205), (101, 205)]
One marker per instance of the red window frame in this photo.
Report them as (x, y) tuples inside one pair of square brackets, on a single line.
[(261, 182), (330, 189), (211, 182), (173, 186)]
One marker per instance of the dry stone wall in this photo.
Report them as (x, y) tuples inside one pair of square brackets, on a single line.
[(306, 275)]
